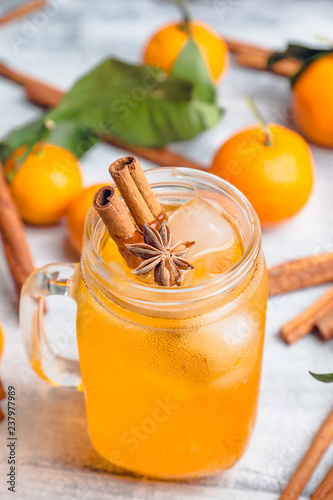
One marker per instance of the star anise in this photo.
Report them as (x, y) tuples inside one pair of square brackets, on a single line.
[(168, 263)]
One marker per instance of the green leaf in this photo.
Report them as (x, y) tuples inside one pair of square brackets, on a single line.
[(191, 66), (295, 51), (328, 377), (138, 104), (65, 134), (27, 135), (70, 135), (306, 55)]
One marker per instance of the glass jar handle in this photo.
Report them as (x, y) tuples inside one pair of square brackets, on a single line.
[(53, 279)]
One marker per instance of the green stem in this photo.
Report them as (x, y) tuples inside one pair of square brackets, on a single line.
[(268, 133), (184, 10), (186, 14)]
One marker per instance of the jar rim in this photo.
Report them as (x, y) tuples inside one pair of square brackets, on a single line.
[(141, 293)]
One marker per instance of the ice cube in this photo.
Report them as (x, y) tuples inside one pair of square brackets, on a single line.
[(201, 222), (240, 329)]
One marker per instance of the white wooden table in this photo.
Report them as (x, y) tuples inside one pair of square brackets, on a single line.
[(55, 457)]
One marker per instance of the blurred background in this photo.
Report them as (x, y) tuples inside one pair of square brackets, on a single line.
[(63, 40)]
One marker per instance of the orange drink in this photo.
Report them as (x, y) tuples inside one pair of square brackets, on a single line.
[(170, 375)]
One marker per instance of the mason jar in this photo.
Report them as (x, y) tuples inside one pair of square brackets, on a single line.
[(170, 375)]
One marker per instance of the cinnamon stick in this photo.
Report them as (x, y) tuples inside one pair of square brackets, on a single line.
[(12, 234), (301, 273), (319, 445), (40, 93), (24, 80), (286, 67), (159, 156), (325, 489), (256, 57), (126, 172), (325, 325), (117, 221), (144, 187), (46, 95), (113, 213), (305, 322), (22, 10), (236, 46), (2, 416)]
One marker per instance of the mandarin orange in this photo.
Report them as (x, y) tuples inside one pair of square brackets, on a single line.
[(45, 184), (164, 46), (312, 101), (77, 214), (277, 179)]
